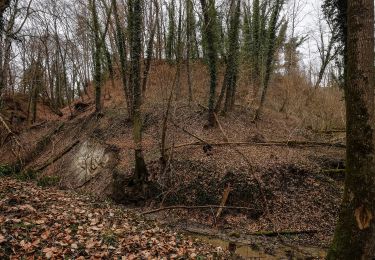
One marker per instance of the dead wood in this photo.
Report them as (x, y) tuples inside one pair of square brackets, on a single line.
[(223, 200), (293, 144), (283, 232), (200, 207)]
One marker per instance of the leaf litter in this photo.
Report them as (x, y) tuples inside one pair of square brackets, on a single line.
[(49, 223)]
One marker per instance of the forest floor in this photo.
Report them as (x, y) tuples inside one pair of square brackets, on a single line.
[(50, 223), (283, 182)]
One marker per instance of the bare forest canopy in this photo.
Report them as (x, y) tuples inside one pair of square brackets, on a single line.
[(51, 44)]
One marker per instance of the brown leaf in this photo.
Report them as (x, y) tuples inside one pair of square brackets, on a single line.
[(27, 207), (40, 222), (2, 239), (45, 235)]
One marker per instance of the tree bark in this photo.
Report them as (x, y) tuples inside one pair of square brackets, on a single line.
[(209, 16), (355, 232), (135, 30)]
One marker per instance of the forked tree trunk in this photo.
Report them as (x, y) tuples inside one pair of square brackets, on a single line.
[(355, 233)]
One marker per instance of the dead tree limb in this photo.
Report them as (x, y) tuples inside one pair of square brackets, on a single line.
[(223, 201), (282, 232), (201, 141), (199, 207), (294, 144)]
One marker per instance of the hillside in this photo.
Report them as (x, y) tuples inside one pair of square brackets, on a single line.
[(283, 178)]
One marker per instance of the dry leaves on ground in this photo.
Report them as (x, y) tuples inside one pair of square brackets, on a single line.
[(49, 223)]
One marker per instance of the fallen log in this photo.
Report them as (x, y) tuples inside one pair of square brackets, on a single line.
[(199, 207), (294, 144), (282, 232)]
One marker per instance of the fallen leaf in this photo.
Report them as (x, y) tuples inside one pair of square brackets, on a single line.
[(2, 239)]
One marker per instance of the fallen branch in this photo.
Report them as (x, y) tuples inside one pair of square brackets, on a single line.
[(38, 125), (213, 233), (199, 207), (56, 158), (296, 144), (332, 131), (201, 141), (283, 232), (223, 200)]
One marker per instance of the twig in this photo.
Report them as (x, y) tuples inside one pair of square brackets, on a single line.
[(199, 207), (191, 134)]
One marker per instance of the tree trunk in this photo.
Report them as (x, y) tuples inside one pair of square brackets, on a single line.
[(355, 233), (270, 56), (209, 15), (121, 46), (97, 57), (135, 30)]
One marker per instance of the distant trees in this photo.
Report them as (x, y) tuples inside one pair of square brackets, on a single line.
[(335, 12), (10, 27), (355, 232), (3, 6), (274, 33), (232, 59)]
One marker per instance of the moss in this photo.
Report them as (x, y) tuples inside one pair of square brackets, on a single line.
[(48, 181), (110, 238), (6, 170), (27, 175)]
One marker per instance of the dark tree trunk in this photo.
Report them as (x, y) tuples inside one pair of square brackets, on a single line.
[(135, 30), (355, 233), (209, 16)]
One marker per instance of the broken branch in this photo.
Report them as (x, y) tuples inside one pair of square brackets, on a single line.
[(198, 207)]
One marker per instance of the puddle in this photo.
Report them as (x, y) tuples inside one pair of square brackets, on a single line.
[(254, 253)]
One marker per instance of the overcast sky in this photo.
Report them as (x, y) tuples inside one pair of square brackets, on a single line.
[(308, 19)]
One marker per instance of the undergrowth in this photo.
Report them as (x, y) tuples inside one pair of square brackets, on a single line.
[(29, 175)]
